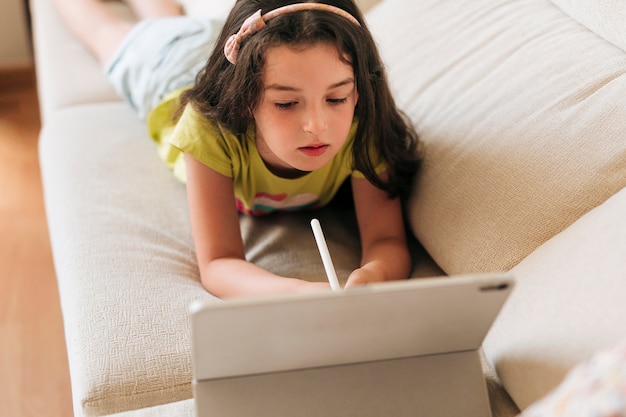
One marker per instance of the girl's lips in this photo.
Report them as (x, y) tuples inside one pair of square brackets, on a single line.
[(315, 150)]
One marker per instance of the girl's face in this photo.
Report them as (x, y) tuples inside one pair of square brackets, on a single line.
[(306, 108)]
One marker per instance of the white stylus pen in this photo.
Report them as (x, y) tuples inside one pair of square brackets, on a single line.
[(326, 260)]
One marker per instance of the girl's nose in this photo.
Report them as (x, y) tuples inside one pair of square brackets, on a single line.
[(315, 121)]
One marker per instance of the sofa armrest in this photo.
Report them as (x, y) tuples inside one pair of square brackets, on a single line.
[(568, 304), (123, 257)]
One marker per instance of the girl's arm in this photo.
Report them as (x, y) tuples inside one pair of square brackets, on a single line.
[(385, 255), (217, 237)]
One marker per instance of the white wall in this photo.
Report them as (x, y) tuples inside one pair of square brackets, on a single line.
[(15, 50)]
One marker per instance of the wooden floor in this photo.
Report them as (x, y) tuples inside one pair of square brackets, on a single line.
[(34, 376)]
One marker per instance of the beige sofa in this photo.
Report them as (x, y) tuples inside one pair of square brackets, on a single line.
[(521, 106)]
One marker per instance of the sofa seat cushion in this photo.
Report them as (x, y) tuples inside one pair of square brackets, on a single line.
[(521, 110)]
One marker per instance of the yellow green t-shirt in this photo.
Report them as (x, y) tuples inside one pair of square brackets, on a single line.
[(257, 190)]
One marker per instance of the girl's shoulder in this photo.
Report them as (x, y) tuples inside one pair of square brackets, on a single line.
[(191, 118)]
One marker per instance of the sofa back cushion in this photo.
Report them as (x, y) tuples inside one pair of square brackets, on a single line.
[(522, 114), (220, 9), (606, 18)]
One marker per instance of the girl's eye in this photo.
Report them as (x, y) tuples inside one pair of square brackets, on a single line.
[(335, 101), (285, 106)]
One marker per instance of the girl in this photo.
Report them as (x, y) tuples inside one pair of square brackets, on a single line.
[(292, 101)]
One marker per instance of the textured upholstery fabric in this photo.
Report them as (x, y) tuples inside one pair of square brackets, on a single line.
[(606, 18), (522, 113), (569, 304)]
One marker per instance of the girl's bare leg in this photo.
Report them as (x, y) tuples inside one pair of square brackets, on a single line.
[(100, 29), (95, 25), (146, 9)]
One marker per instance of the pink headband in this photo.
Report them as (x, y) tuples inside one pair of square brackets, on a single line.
[(256, 22)]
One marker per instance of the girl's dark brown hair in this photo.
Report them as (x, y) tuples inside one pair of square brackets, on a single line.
[(228, 93)]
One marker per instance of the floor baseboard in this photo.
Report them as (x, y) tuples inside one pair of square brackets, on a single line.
[(16, 77)]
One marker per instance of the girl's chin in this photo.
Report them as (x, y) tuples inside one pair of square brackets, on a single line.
[(301, 165)]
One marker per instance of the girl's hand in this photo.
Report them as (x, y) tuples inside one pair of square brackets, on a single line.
[(362, 276), (307, 286), (385, 255)]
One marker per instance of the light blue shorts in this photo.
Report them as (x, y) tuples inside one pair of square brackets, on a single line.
[(159, 56)]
